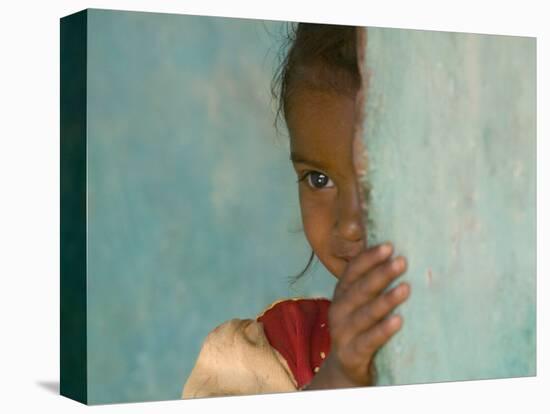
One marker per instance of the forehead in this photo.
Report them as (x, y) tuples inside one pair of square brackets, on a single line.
[(321, 125)]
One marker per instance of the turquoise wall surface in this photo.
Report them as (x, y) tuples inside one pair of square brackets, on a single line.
[(193, 215), (451, 147)]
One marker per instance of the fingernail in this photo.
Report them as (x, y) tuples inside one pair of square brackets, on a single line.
[(385, 248), (395, 320), (401, 291), (397, 263)]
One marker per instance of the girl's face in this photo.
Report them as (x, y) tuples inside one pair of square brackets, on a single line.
[(321, 126)]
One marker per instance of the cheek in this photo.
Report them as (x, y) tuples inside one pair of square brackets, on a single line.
[(317, 219)]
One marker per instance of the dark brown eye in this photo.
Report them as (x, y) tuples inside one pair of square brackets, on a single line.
[(319, 180)]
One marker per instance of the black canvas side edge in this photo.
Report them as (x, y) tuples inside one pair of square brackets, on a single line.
[(73, 95)]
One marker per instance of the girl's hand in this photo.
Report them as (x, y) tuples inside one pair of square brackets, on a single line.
[(357, 318)]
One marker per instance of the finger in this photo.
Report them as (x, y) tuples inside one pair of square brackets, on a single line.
[(365, 317), (367, 288), (362, 263), (374, 282), (368, 342)]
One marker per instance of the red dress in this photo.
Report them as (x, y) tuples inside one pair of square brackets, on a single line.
[(298, 330), (279, 351)]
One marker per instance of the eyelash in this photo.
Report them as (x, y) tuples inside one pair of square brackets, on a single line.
[(303, 177)]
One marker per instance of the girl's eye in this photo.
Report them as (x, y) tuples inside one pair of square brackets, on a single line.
[(319, 180)]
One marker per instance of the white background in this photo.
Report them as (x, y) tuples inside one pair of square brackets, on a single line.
[(29, 204)]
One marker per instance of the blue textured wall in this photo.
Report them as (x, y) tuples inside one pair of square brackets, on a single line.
[(193, 214), (451, 150)]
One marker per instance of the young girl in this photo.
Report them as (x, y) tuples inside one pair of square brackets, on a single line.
[(305, 344)]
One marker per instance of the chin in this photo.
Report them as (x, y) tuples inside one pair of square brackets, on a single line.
[(336, 266)]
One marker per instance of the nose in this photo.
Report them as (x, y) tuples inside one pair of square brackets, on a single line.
[(349, 223)]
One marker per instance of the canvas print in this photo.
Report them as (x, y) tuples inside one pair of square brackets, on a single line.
[(253, 207)]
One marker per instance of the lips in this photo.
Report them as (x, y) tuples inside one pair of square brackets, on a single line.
[(348, 255), (346, 258)]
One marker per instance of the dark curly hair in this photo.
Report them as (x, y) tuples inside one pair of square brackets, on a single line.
[(315, 56)]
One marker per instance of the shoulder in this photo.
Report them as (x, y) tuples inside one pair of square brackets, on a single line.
[(236, 359), (237, 335)]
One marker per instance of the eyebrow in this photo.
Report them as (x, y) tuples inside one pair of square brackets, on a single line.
[(298, 158)]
